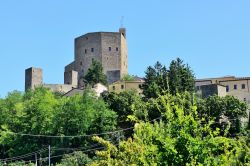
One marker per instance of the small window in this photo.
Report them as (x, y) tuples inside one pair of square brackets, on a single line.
[(243, 86), (245, 99), (227, 88), (109, 48), (113, 87), (122, 86), (87, 38), (85, 51), (235, 86), (81, 63), (92, 49), (117, 49)]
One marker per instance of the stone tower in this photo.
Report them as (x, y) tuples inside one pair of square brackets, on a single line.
[(33, 78), (109, 48)]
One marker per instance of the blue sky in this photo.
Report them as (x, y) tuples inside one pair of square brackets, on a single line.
[(213, 36)]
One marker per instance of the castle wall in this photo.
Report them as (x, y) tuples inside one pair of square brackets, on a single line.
[(59, 87)]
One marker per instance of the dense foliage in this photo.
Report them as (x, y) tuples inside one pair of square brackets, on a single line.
[(40, 112), (159, 80), (180, 138)]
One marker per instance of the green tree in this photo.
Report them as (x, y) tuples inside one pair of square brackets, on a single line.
[(125, 104), (180, 138), (28, 113), (77, 158), (177, 79), (95, 74), (81, 115), (226, 109), (41, 112), (156, 81), (181, 77)]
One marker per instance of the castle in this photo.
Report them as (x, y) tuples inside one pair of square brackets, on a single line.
[(109, 48)]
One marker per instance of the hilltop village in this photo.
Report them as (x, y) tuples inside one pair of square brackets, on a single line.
[(110, 49), (167, 118)]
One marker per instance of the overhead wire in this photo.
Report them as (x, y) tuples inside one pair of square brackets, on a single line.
[(24, 156)]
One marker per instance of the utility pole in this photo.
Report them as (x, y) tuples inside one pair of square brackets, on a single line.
[(36, 158), (49, 155)]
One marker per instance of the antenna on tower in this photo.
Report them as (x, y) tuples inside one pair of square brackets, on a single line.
[(122, 18)]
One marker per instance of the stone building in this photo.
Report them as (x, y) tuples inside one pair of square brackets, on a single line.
[(211, 89), (109, 48), (235, 86), (120, 86)]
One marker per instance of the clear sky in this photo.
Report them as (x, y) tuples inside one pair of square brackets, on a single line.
[(213, 36)]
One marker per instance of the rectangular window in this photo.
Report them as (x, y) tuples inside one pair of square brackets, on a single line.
[(235, 86), (122, 86), (113, 87), (109, 48), (92, 49), (245, 99), (243, 86), (85, 51), (227, 88), (117, 49)]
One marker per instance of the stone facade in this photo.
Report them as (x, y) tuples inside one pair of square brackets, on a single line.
[(121, 86), (109, 48), (212, 89), (33, 77), (235, 86)]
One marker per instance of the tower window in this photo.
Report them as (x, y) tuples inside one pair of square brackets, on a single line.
[(117, 49), (92, 49), (85, 51), (109, 48), (243, 86)]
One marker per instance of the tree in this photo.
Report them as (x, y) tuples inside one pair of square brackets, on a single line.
[(180, 138), (177, 79), (181, 77), (223, 110), (156, 81), (81, 115), (77, 158), (125, 104), (41, 112), (95, 74)]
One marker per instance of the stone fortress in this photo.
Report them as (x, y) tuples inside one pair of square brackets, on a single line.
[(109, 48)]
